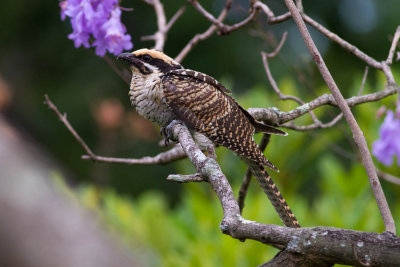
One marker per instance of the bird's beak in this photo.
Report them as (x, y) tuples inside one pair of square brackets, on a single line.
[(129, 57), (133, 61)]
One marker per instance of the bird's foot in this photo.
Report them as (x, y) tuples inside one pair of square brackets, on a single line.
[(167, 134)]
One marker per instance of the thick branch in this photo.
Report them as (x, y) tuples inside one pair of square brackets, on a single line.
[(355, 129)]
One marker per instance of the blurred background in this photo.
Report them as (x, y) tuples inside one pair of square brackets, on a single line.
[(173, 224)]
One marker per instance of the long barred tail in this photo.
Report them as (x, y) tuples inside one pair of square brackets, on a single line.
[(276, 198)]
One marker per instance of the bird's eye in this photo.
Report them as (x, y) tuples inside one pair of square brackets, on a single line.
[(146, 58)]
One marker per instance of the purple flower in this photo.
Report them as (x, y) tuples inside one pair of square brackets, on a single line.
[(388, 143), (112, 36), (96, 23)]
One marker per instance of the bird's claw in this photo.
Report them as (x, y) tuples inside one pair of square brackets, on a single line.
[(167, 134)]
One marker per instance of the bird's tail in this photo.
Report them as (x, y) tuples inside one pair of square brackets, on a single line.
[(273, 193)]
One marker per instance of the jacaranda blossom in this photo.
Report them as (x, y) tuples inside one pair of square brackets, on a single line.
[(96, 23), (388, 144)]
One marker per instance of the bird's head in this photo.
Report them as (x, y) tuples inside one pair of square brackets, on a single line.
[(147, 61)]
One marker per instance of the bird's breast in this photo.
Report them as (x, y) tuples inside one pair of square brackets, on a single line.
[(147, 97)]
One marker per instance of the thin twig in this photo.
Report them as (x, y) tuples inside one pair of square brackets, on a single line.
[(174, 154), (63, 118), (247, 177), (277, 117), (175, 18), (171, 155), (223, 28), (388, 177), (313, 126), (355, 129), (346, 45), (161, 35), (272, 19), (202, 36), (395, 41), (273, 83), (364, 79)]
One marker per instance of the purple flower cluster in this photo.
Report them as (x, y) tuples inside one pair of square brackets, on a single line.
[(388, 143), (100, 19)]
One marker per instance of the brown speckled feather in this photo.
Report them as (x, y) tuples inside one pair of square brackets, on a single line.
[(201, 103)]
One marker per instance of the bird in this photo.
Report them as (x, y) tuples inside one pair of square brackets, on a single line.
[(164, 92)]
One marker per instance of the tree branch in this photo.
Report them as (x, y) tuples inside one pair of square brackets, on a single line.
[(388, 177), (161, 35), (317, 244), (277, 117), (346, 45), (355, 129), (203, 36), (176, 153), (223, 28)]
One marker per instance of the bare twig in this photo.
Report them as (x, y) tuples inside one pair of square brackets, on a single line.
[(174, 154), (175, 18), (277, 117), (395, 41), (223, 28), (272, 19), (63, 118), (357, 133), (364, 79), (273, 83), (314, 125), (202, 36), (161, 35), (171, 155), (388, 177), (346, 45)]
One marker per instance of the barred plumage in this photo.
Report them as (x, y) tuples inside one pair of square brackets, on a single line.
[(162, 91)]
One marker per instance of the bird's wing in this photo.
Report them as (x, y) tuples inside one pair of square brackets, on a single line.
[(206, 108)]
